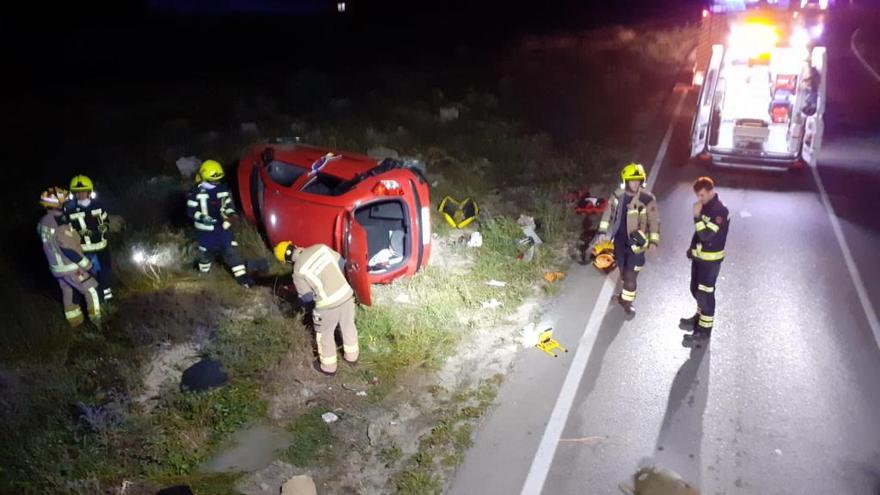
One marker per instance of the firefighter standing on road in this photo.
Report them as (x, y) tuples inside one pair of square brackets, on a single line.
[(633, 221), (319, 279), (88, 217), (61, 245), (711, 221), (210, 207)]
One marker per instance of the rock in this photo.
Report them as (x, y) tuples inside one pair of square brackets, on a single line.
[(448, 114), (491, 304), (249, 128), (381, 152), (272, 477), (188, 166), (299, 485), (329, 417), (374, 432), (362, 393)]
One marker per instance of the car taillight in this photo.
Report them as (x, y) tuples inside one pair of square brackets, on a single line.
[(387, 188)]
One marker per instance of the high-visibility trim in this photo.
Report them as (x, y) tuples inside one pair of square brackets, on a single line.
[(226, 225), (655, 237), (350, 349), (638, 268), (233, 243), (203, 249), (707, 255), (84, 262), (91, 247), (707, 318), (627, 295), (73, 314), (711, 226), (95, 311), (706, 288), (700, 226), (603, 225), (328, 359), (340, 295), (204, 227), (705, 324), (192, 203), (204, 267), (108, 293), (239, 270)]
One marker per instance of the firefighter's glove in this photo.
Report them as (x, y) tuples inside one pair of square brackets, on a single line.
[(689, 254), (103, 228)]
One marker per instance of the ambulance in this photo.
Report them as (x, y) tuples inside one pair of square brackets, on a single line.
[(762, 96)]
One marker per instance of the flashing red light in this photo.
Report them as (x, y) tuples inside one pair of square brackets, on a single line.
[(387, 188)]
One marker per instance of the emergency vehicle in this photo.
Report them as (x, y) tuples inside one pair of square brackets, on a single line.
[(762, 94), (375, 213)]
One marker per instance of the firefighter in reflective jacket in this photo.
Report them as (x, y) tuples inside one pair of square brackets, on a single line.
[(72, 270), (87, 215), (711, 221), (210, 207), (633, 222), (319, 279)]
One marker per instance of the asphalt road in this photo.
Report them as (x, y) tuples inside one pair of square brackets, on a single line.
[(786, 397)]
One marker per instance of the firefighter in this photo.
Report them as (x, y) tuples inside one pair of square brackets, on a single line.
[(210, 207), (87, 215), (63, 250), (633, 222), (711, 221), (319, 280)]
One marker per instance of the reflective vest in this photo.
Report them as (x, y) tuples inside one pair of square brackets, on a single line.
[(316, 271), (710, 231), (210, 207), (90, 222), (61, 245)]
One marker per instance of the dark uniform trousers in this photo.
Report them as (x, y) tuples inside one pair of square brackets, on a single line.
[(630, 264), (704, 274)]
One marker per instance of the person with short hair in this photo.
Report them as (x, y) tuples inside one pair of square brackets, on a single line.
[(706, 252)]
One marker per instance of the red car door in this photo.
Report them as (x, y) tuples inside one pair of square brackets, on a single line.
[(355, 253)]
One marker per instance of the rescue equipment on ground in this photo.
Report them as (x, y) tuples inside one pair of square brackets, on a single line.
[(551, 277), (586, 204), (603, 256), (548, 344), (458, 214)]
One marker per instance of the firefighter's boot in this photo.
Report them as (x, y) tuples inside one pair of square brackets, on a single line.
[(689, 324), (627, 306)]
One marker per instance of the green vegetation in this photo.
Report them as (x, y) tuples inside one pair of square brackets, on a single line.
[(312, 439)]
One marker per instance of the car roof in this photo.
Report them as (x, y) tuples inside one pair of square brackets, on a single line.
[(347, 166)]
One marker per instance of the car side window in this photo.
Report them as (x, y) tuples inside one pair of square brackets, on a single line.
[(284, 174)]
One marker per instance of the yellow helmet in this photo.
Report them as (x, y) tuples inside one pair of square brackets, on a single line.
[(633, 171), (54, 197), (81, 183), (284, 251), (211, 171)]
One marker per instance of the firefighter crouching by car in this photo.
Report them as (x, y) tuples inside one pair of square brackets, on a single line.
[(633, 222), (87, 215), (210, 207), (319, 279), (61, 245), (711, 221)]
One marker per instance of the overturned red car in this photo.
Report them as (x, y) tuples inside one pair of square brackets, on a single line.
[(376, 213)]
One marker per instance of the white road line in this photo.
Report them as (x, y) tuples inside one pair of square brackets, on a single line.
[(870, 313), (865, 64), (553, 432)]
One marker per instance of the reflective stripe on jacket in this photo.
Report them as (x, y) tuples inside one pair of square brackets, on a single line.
[(90, 222), (642, 216), (61, 245), (710, 231), (316, 271)]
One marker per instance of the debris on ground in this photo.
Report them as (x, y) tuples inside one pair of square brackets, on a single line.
[(329, 417), (188, 166), (652, 480), (204, 375), (496, 283), (529, 254), (299, 485), (475, 240), (491, 304), (551, 277), (529, 227)]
